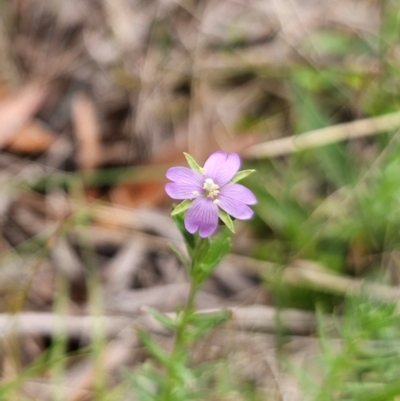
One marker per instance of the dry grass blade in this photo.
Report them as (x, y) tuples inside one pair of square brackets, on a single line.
[(45, 324), (267, 319), (341, 285), (324, 136), (309, 274), (115, 355), (144, 219), (87, 131), (164, 298), (123, 267)]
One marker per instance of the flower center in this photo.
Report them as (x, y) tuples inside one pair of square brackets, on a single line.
[(211, 188)]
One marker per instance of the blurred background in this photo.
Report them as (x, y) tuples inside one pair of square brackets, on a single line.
[(99, 97)]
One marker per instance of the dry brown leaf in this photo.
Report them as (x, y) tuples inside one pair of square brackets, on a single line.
[(33, 138), (16, 110), (146, 193), (140, 194), (152, 193), (87, 132)]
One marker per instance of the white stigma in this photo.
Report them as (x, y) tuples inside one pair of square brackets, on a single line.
[(212, 189), (209, 184)]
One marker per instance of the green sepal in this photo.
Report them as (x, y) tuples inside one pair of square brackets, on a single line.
[(182, 207), (241, 174), (192, 163), (226, 219)]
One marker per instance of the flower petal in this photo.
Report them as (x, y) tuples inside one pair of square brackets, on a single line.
[(181, 191), (221, 167), (202, 216), (185, 175), (186, 183), (238, 192), (234, 198)]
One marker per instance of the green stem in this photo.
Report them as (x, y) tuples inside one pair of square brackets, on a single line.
[(180, 341), (188, 310)]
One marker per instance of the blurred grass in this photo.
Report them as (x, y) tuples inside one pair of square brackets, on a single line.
[(337, 204)]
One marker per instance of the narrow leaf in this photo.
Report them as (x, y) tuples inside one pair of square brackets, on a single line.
[(226, 219), (202, 323), (211, 319), (190, 239), (163, 319), (153, 348), (182, 207), (181, 258), (242, 174), (192, 163)]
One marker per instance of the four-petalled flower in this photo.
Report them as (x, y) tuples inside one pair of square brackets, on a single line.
[(210, 188)]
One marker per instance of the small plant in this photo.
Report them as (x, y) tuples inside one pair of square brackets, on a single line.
[(208, 194), (364, 363)]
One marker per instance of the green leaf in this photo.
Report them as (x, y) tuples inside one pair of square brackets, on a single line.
[(153, 348), (201, 249), (226, 219), (210, 319), (180, 257), (146, 381), (192, 163), (190, 239), (182, 207), (209, 253), (204, 322), (163, 319), (241, 174)]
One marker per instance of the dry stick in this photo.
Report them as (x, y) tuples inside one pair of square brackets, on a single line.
[(49, 324), (248, 318), (116, 354), (304, 273), (264, 318), (324, 136)]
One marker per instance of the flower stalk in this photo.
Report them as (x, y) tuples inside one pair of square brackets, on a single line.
[(179, 348)]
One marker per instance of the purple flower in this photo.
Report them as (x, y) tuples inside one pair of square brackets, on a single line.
[(210, 189)]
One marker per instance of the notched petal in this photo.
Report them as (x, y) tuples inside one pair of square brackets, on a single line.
[(221, 167), (184, 175), (181, 191), (238, 192), (236, 209), (234, 199), (202, 216)]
